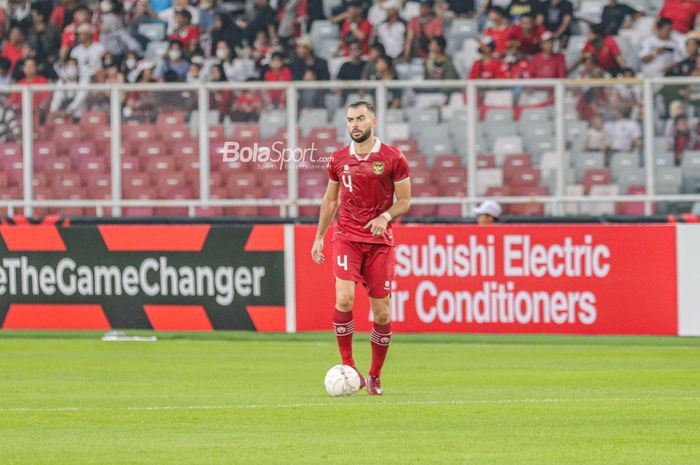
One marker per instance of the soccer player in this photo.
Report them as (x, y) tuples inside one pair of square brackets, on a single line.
[(364, 178)]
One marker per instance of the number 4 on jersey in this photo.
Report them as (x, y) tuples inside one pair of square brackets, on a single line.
[(347, 181)]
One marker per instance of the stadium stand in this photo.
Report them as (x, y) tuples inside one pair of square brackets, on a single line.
[(129, 42)]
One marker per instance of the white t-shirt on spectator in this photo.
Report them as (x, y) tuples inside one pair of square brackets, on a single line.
[(392, 36), (168, 15), (622, 134), (656, 67), (89, 59)]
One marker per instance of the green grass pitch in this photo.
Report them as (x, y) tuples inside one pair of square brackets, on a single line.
[(242, 398)]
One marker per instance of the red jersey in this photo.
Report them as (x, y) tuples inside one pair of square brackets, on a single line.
[(553, 66), (681, 13), (501, 37), (606, 55), (529, 43), (277, 96), (366, 188), (363, 26), (518, 70), (483, 70), (187, 35)]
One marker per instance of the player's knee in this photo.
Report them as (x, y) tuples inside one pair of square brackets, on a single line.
[(382, 318), (344, 301)]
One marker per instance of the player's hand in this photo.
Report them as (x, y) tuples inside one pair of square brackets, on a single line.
[(317, 251), (377, 226)]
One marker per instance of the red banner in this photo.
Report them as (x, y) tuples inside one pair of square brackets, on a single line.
[(575, 279)]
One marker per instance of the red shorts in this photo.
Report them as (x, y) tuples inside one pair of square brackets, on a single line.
[(362, 262)]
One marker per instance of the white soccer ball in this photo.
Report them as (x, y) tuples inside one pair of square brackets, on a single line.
[(342, 381)]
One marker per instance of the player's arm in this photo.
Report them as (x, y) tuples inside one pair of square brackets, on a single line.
[(402, 190), (329, 205)]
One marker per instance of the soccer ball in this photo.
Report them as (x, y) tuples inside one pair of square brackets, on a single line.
[(342, 381)]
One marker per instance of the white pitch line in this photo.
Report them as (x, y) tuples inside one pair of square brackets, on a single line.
[(340, 403)]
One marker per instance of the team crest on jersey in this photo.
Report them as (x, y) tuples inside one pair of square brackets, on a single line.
[(346, 169), (377, 167)]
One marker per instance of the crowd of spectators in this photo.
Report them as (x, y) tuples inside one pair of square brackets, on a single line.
[(217, 40)]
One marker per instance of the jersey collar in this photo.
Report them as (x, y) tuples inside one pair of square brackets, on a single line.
[(375, 148)]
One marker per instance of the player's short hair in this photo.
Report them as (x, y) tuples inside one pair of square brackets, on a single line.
[(363, 103)]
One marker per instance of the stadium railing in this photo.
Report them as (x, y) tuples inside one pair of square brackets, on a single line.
[(564, 95)]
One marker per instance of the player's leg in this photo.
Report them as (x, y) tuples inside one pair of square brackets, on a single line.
[(347, 262), (379, 271)]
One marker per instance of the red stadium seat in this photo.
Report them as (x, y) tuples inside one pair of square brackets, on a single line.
[(485, 161), (246, 132), (311, 192), (269, 179), (174, 136), (216, 133), (14, 171), (150, 149), (64, 136), (174, 193), (407, 146), (185, 149), (596, 177), (82, 149), (633, 208), (170, 184), (526, 209), (4, 181), (55, 165), (251, 194), (91, 166), (10, 151), (98, 182), (447, 162), (240, 184), (159, 164), (313, 180), (41, 150), (135, 183), (174, 118), (93, 118), (451, 184), (275, 193), (323, 134), (423, 190), (516, 160), (67, 182), (522, 176), (498, 191), (415, 161), (421, 177), (130, 164)]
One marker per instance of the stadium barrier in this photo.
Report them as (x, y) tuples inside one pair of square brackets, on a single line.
[(566, 279), (558, 200)]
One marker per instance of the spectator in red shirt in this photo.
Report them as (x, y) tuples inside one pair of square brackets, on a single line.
[(488, 66), (41, 99), (12, 50), (604, 50), (62, 14), (421, 29), (527, 35), (355, 28), (515, 65), (278, 71), (681, 12), (185, 32), (548, 64), (501, 31), (247, 106)]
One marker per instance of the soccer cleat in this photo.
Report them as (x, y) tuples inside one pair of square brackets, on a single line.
[(374, 386), (363, 380)]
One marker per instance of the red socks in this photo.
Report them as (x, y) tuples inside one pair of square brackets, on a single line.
[(344, 326), (380, 338)]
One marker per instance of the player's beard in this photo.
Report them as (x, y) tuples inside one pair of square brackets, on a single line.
[(362, 137)]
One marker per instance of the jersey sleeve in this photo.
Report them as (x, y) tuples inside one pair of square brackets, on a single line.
[(400, 171), (332, 175)]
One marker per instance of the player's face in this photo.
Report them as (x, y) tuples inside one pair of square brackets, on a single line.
[(361, 124)]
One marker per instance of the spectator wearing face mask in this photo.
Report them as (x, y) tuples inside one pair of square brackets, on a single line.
[(68, 102), (175, 61)]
